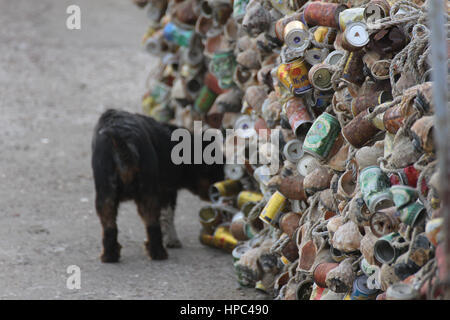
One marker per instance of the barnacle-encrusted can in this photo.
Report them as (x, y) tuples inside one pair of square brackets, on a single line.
[(294, 76), (413, 214), (177, 35), (371, 99), (323, 14), (403, 195), (385, 249), (273, 207), (353, 68), (321, 136), (361, 291)]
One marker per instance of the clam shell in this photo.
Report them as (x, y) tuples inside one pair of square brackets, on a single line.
[(347, 237)]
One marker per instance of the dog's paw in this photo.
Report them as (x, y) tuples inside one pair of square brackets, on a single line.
[(173, 243), (109, 258), (159, 254)]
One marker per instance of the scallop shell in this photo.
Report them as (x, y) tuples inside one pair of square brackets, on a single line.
[(318, 179), (347, 237)]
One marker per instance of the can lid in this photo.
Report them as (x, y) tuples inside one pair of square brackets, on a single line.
[(297, 38), (293, 150), (334, 57), (315, 55), (321, 78), (245, 127), (356, 34)]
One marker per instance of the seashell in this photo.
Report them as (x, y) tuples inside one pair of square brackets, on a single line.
[(404, 153), (255, 96), (185, 12), (341, 278), (307, 164), (243, 77), (257, 19), (289, 223), (387, 276), (249, 59), (333, 224), (244, 43), (307, 255), (367, 156), (347, 237), (215, 44), (231, 30), (319, 179), (230, 101), (347, 184), (366, 246), (327, 199), (203, 25), (422, 132), (338, 161)]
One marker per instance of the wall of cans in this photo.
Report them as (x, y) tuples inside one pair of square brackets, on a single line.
[(354, 211)]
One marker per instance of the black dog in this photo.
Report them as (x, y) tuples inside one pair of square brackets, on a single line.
[(131, 160)]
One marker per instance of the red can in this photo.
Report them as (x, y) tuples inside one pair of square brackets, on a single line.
[(323, 14), (299, 116), (359, 131), (321, 271)]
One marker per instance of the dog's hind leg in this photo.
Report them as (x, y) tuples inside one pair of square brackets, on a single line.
[(150, 212), (107, 212), (168, 225)]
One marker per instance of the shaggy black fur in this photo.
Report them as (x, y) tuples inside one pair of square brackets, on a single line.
[(131, 160)]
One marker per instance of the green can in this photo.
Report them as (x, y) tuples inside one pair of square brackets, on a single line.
[(222, 65), (413, 214), (205, 100), (177, 35), (403, 195), (386, 249), (374, 185), (321, 136)]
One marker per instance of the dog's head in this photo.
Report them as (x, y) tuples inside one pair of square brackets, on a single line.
[(206, 176)]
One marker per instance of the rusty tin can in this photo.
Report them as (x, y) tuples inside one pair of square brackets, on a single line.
[(323, 14), (371, 99), (292, 188), (359, 130), (386, 249), (281, 24), (294, 76), (320, 272), (321, 136), (299, 117)]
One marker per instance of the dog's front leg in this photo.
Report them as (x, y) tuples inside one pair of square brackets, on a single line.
[(150, 213)]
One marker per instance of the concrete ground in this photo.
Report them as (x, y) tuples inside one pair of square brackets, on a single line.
[(54, 84)]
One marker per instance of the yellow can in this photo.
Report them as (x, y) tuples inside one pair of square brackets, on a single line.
[(223, 239), (320, 34), (226, 188), (245, 197), (294, 76), (273, 208)]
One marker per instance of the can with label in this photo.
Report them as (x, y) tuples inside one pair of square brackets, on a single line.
[(361, 291), (175, 34), (413, 214), (273, 207), (321, 136), (385, 249), (403, 195), (374, 185), (209, 218), (294, 76), (280, 25), (205, 100)]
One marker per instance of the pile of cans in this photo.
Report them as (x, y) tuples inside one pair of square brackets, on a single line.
[(353, 211)]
